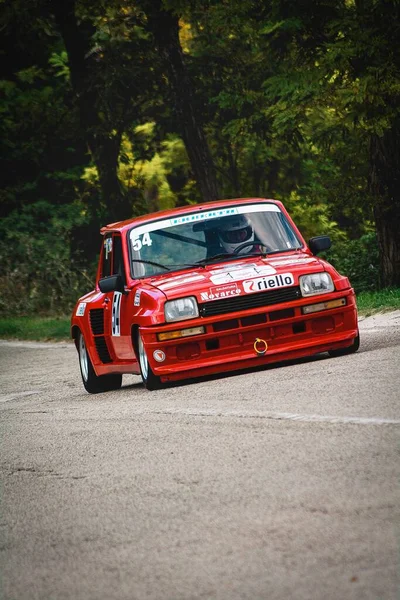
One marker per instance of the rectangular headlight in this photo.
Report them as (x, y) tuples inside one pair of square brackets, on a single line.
[(181, 309), (316, 283)]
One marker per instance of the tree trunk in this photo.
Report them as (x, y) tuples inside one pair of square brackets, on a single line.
[(384, 186), (103, 142), (165, 28)]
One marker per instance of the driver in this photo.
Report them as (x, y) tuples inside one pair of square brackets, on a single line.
[(235, 231)]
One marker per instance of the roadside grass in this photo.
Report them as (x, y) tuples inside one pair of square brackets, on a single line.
[(58, 328), (35, 328), (369, 303)]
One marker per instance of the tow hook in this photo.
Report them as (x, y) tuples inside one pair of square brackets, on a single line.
[(260, 346)]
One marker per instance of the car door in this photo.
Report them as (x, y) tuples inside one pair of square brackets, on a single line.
[(117, 305)]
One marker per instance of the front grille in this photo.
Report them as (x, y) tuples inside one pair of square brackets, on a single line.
[(102, 350), (229, 305), (96, 316), (226, 325), (277, 315)]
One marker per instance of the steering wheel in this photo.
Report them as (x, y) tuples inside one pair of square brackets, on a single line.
[(248, 245)]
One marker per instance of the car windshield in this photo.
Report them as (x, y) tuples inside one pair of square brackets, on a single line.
[(196, 238)]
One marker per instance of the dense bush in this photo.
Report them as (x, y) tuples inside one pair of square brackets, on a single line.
[(41, 273), (358, 260)]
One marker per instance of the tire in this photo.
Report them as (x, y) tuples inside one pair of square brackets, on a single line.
[(344, 351), (150, 381), (94, 384)]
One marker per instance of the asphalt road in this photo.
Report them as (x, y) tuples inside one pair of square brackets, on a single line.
[(275, 484)]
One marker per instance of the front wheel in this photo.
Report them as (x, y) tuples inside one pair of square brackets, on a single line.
[(94, 384), (349, 350), (150, 381)]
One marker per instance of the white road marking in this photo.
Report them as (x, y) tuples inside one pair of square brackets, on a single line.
[(282, 416), (16, 395)]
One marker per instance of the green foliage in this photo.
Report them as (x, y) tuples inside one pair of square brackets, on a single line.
[(60, 63), (313, 219), (359, 261), (40, 272), (40, 146), (156, 178)]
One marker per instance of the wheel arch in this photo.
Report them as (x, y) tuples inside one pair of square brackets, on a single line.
[(150, 381), (134, 336), (75, 331)]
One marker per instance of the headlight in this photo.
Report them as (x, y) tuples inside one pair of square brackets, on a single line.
[(316, 283), (183, 308)]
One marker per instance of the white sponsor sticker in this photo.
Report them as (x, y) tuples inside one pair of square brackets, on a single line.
[(214, 214), (176, 281), (108, 244), (238, 267), (223, 291), (136, 301), (159, 355), (80, 311), (291, 261), (268, 283), (243, 273), (201, 216), (115, 316)]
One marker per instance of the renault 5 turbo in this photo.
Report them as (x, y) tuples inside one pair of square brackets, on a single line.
[(209, 289)]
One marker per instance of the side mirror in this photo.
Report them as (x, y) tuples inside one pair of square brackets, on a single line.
[(319, 243), (113, 283)]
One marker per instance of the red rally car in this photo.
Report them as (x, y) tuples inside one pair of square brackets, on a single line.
[(208, 289)]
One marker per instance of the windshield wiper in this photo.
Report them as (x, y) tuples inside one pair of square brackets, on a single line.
[(150, 262), (156, 264), (196, 265), (239, 255), (267, 253), (230, 256), (204, 261)]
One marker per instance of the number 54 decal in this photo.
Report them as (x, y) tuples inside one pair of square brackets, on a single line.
[(144, 240)]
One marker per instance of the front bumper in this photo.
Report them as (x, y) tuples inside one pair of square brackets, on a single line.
[(229, 341)]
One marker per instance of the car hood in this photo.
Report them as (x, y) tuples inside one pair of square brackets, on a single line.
[(242, 276)]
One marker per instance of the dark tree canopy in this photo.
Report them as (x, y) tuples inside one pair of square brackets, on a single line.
[(111, 109)]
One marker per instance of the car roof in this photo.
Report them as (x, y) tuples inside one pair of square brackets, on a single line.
[(122, 226)]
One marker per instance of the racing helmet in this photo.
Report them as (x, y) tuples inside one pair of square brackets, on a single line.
[(235, 231)]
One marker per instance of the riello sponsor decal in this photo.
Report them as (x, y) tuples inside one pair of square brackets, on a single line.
[(268, 283)]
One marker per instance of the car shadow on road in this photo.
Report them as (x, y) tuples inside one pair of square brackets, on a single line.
[(255, 369), (224, 375)]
